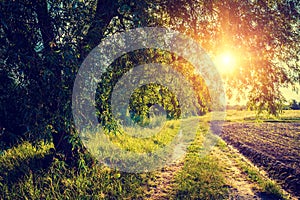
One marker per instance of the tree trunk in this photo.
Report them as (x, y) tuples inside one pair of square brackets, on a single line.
[(105, 11)]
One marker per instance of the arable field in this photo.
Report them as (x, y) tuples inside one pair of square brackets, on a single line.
[(273, 144)]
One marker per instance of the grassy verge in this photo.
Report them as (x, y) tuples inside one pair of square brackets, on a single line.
[(254, 174), (201, 176), (27, 172)]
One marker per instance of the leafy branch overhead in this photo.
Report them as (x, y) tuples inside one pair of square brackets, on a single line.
[(44, 42)]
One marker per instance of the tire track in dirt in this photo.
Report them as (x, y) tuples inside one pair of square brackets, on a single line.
[(240, 187), (162, 188)]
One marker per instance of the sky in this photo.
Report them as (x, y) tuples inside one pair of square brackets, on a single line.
[(288, 93)]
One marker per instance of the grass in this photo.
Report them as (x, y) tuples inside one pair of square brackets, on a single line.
[(132, 153), (271, 187), (23, 176), (254, 174), (155, 140), (28, 172), (265, 184), (201, 176), (240, 116), (31, 173), (204, 175)]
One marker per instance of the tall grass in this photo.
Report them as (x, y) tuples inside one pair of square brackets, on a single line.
[(58, 181)]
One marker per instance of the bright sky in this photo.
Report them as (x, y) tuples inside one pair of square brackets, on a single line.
[(225, 62), (289, 94)]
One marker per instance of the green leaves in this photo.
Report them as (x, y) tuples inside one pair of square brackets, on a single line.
[(44, 42)]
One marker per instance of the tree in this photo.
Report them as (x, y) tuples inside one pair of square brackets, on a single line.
[(42, 49), (294, 105), (263, 34)]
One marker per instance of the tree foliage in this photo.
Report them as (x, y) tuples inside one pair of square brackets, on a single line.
[(145, 97), (294, 105), (43, 43)]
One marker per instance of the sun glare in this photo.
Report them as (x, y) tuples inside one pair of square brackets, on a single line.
[(225, 62)]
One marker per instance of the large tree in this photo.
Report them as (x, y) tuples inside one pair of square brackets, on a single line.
[(43, 43)]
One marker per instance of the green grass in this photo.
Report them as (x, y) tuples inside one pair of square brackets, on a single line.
[(264, 183), (273, 188), (240, 116), (31, 173), (132, 153), (23, 176), (201, 176), (28, 172), (18, 156), (156, 138)]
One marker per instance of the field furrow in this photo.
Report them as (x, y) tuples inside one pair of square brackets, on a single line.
[(273, 146)]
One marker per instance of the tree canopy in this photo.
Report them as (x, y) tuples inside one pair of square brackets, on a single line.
[(44, 42)]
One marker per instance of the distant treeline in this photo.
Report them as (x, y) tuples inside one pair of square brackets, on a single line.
[(236, 107), (292, 105)]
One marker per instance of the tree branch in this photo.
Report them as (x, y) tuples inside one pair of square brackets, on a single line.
[(44, 23), (105, 11)]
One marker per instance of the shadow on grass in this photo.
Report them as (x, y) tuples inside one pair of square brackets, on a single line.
[(11, 174)]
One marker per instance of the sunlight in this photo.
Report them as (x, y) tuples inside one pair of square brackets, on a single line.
[(225, 62)]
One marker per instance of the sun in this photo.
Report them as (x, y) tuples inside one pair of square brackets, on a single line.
[(225, 62)]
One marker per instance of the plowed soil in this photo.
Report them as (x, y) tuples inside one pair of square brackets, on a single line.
[(273, 146)]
